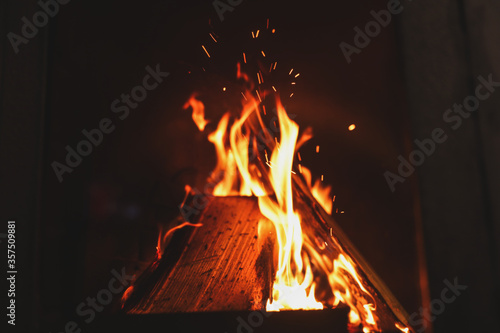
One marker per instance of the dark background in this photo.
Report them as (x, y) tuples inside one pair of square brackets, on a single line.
[(440, 225)]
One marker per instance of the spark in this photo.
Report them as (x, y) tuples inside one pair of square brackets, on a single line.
[(267, 25), (224, 89), (215, 40), (297, 75), (263, 53), (244, 58), (300, 168), (293, 82), (258, 95), (205, 51), (321, 177), (291, 94), (291, 70), (273, 31), (334, 198), (242, 94), (274, 89), (257, 34), (275, 63), (351, 127), (317, 149), (300, 158)]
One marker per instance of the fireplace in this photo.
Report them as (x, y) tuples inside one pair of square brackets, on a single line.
[(250, 167)]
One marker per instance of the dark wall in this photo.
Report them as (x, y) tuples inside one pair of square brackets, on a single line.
[(446, 47)]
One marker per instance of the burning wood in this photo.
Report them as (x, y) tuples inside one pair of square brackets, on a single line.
[(273, 246), (222, 266)]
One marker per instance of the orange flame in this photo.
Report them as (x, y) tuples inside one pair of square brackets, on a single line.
[(198, 112), (320, 192), (162, 237)]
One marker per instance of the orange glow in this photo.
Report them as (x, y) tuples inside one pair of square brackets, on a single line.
[(352, 127), (245, 167)]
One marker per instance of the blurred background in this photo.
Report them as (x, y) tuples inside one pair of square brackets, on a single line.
[(441, 223)]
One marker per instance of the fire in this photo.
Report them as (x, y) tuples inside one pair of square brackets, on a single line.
[(252, 161), (321, 193), (198, 112), (163, 236), (294, 284)]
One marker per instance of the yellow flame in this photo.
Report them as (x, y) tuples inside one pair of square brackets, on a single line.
[(293, 286)]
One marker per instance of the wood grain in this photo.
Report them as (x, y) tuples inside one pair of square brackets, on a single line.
[(223, 266)]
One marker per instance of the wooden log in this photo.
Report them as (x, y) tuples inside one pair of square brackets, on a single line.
[(222, 266)]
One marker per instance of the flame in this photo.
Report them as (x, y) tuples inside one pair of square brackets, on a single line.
[(198, 112), (320, 192), (162, 237), (402, 328), (293, 286), (251, 161)]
